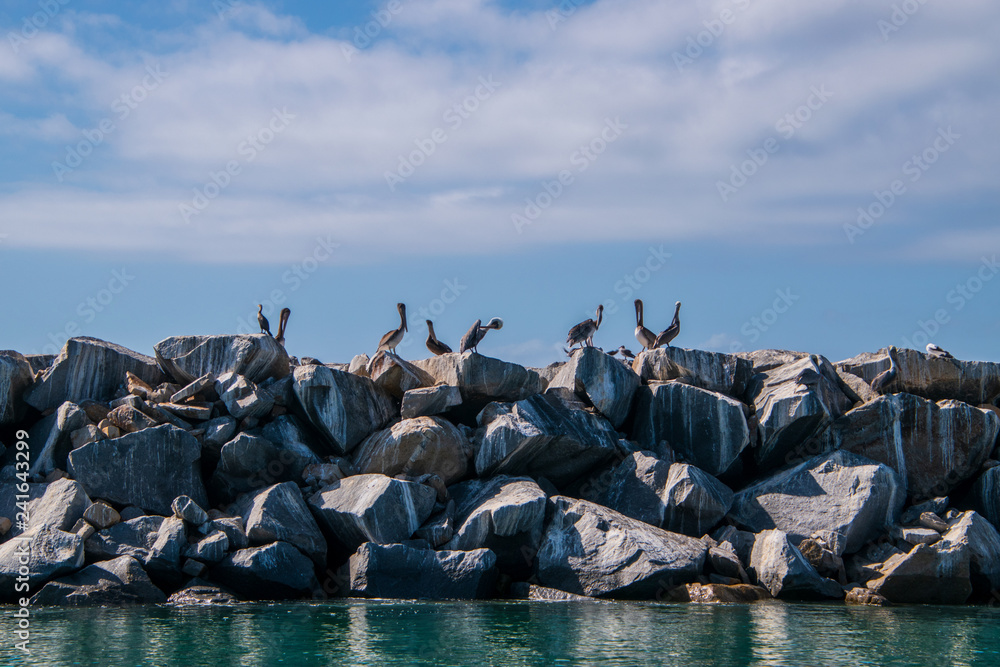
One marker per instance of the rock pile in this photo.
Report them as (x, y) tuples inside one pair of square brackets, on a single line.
[(221, 470)]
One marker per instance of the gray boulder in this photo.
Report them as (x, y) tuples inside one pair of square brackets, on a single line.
[(762, 361), (147, 469), (703, 428), (279, 513), (242, 397), (185, 508), (134, 538), (403, 572), (541, 436), (591, 550), (982, 540), (481, 380), (45, 552), (928, 574), (414, 447), (344, 408), (16, 375), (200, 592), (782, 569), (986, 495), (933, 446), (89, 368), (720, 373), (397, 376), (254, 356), (841, 493), (428, 401), (251, 462), (210, 549), (601, 381), (56, 505), (275, 571), (372, 508), (51, 438), (110, 583), (291, 435), (164, 556)]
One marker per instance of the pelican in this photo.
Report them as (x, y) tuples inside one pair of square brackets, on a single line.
[(391, 339), (885, 378), (433, 344), (670, 332), (645, 337), (282, 321), (583, 333), (265, 326), (474, 336)]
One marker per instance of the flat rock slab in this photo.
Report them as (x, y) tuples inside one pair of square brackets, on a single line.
[(275, 571), (16, 375), (482, 380), (117, 582), (782, 569), (254, 356), (841, 493), (601, 381), (591, 550), (403, 572), (90, 368), (933, 446), (344, 408), (429, 401), (716, 593), (414, 447), (147, 469), (704, 428), (59, 504), (722, 373), (134, 538), (522, 590)]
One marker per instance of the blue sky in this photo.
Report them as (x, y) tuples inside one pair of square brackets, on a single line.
[(819, 177)]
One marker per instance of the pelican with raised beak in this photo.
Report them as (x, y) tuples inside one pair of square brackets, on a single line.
[(670, 332), (393, 338), (645, 337), (885, 378), (433, 344), (282, 321)]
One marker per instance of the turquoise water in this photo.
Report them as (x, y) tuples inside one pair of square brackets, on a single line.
[(511, 633)]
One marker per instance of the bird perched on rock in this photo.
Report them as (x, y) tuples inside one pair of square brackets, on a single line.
[(282, 321), (393, 338), (670, 332), (624, 351), (583, 333), (265, 326), (433, 344), (885, 378), (940, 353), (474, 336), (645, 337)]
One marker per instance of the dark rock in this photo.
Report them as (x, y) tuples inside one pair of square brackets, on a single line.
[(275, 571), (720, 373), (203, 384), (219, 431), (183, 507), (428, 401), (16, 375), (981, 539), (413, 447), (403, 572), (397, 376), (210, 549), (249, 463), (866, 597), (928, 574), (57, 505), (242, 397), (715, 593), (298, 443), (234, 530), (132, 537), (49, 553), (601, 381), (522, 590), (911, 515), (89, 368), (986, 495), (254, 356), (101, 515), (201, 593), (785, 573), (39, 362), (440, 528), (482, 380), (51, 439), (115, 582), (279, 513), (164, 557), (764, 360), (148, 469)]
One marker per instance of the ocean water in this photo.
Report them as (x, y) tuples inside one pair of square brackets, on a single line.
[(359, 632)]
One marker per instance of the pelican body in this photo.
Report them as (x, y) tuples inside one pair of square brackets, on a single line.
[(282, 321), (476, 333), (393, 338), (265, 326), (433, 344), (885, 378), (937, 352), (645, 337), (583, 333), (670, 332)]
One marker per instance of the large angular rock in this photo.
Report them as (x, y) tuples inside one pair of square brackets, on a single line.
[(403, 572), (428, 401), (503, 514), (45, 552), (784, 571), (147, 469), (300, 442), (721, 593), (982, 540), (414, 447), (50, 439), (929, 574), (344, 408), (703, 428), (249, 463), (56, 505), (372, 508), (601, 381), (279, 513), (974, 382), (986, 495), (541, 436), (254, 356), (89, 368), (840, 493), (714, 371), (111, 583), (134, 538), (793, 402), (679, 497), (16, 375), (933, 446), (591, 550), (164, 558), (481, 380), (242, 397), (397, 376), (762, 361), (275, 571)]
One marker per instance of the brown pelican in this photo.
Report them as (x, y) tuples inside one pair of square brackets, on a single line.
[(391, 339), (670, 332), (885, 378), (645, 337), (433, 344), (282, 321), (265, 326), (583, 333), (474, 336)]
